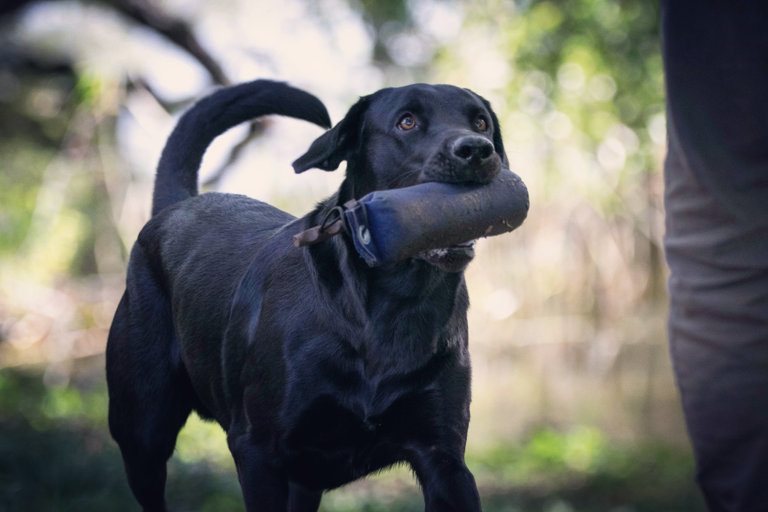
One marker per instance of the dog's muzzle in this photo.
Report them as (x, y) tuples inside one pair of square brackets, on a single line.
[(463, 159)]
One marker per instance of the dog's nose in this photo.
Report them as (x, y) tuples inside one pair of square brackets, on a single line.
[(473, 149)]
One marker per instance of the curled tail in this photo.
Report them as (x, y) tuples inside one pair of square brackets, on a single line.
[(176, 177)]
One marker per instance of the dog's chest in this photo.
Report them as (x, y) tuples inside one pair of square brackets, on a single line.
[(343, 428)]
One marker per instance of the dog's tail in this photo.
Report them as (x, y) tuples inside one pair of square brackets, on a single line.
[(176, 178)]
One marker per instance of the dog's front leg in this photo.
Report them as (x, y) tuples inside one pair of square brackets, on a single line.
[(447, 484), (264, 486), (303, 500)]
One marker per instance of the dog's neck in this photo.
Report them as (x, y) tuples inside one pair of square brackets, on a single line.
[(371, 299), (337, 256)]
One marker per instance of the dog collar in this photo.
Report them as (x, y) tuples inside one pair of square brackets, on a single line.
[(351, 218)]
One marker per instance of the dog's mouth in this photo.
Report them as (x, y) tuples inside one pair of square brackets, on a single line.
[(454, 258)]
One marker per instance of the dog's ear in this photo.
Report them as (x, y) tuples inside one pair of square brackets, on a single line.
[(335, 145), (498, 144)]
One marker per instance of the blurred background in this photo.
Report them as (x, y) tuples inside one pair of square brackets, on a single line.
[(574, 405)]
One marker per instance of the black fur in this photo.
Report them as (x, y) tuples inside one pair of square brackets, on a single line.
[(319, 368)]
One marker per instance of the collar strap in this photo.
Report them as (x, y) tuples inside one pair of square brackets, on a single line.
[(331, 225), (351, 218)]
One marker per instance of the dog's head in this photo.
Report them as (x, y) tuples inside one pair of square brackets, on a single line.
[(403, 136)]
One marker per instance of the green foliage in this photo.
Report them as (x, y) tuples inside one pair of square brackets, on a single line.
[(56, 455), (89, 89), (586, 84), (615, 39), (382, 12), (581, 469), (23, 166)]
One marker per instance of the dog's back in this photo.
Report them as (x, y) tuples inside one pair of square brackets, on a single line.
[(202, 247)]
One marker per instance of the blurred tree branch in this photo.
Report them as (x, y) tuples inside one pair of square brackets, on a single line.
[(173, 29), (145, 13)]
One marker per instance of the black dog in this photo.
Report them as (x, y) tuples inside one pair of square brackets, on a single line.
[(320, 369)]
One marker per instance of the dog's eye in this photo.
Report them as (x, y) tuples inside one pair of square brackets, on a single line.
[(481, 124), (407, 122)]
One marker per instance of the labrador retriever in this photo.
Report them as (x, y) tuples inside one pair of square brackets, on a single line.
[(319, 368)]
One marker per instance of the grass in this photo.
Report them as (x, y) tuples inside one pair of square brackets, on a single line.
[(56, 455)]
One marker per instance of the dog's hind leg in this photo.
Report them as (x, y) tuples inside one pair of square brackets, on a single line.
[(148, 391)]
